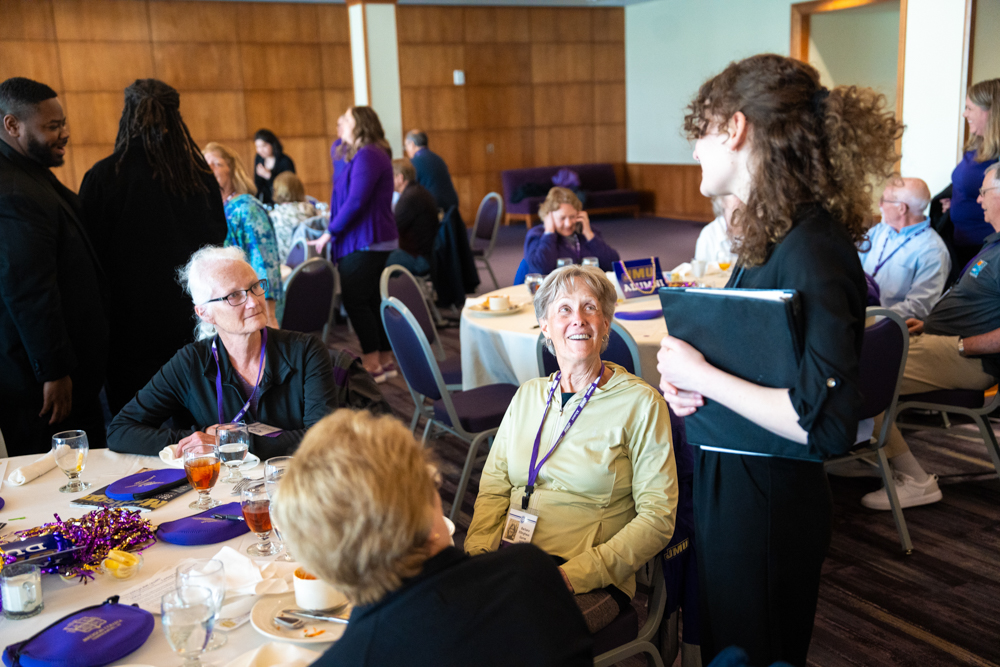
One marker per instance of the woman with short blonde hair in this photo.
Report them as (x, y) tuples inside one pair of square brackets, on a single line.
[(360, 509), (291, 209)]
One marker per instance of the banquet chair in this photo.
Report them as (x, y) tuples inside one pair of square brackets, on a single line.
[(297, 254), (622, 638), (310, 297), (622, 350), (883, 359), (472, 416), (486, 228), (397, 281)]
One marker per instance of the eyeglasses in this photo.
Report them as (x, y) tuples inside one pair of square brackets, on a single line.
[(239, 297), (883, 200), (983, 191)]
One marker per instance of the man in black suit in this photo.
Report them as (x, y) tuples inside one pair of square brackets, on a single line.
[(53, 325), (432, 172), (416, 218)]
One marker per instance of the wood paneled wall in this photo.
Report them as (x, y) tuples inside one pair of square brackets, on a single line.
[(238, 67), (671, 190), (544, 86)]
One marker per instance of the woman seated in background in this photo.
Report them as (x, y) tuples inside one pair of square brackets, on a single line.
[(565, 232), (269, 161), (715, 237), (291, 208), (249, 227), (359, 507), (281, 379), (601, 477)]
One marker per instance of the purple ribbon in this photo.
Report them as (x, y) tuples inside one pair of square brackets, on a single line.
[(533, 469), (218, 379)]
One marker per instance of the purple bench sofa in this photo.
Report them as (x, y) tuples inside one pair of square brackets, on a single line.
[(598, 180)]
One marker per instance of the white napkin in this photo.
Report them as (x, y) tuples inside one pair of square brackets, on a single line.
[(683, 268), (274, 654), (244, 577), (26, 473), (169, 456)]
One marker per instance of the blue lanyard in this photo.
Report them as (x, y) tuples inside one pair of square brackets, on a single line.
[(881, 262), (533, 469), (218, 379)]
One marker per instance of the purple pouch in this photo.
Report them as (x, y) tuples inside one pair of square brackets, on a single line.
[(566, 178), (86, 638), (146, 484), (202, 528)]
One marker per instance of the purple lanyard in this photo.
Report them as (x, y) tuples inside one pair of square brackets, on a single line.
[(533, 469), (218, 379), (881, 262)]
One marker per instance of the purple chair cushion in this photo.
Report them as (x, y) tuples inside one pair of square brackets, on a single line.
[(881, 353), (487, 220), (404, 289), (594, 178), (611, 198), (478, 409), (409, 353), (622, 630), (451, 369), (309, 298), (959, 398)]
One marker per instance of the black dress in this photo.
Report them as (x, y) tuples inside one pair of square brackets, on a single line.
[(142, 234), (763, 524), (265, 186)]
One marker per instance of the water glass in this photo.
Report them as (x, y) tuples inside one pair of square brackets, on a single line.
[(274, 470), (234, 443), (188, 616), (210, 574), (257, 513), (698, 268), (21, 590), (590, 261), (201, 463), (564, 261), (533, 281), (70, 451)]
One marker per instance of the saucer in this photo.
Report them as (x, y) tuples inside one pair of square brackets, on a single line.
[(313, 632)]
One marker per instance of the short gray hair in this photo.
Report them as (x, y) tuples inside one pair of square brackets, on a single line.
[(194, 277), (563, 280), (995, 170)]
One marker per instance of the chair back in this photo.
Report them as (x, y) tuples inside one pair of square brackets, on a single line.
[(622, 350), (487, 224), (883, 359), (413, 352), (298, 253), (309, 296), (398, 282), (522, 271)]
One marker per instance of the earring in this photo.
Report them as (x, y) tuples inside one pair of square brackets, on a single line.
[(606, 340)]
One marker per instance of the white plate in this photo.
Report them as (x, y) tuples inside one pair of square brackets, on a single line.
[(484, 309), (250, 462), (262, 618)]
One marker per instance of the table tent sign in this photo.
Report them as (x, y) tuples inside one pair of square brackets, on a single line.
[(639, 277)]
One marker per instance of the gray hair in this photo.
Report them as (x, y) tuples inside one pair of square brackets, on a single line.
[(993, 169), (563, 281), (195, 278)]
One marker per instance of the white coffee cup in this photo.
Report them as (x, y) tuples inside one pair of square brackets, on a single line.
[(499, 302), (315, 594)]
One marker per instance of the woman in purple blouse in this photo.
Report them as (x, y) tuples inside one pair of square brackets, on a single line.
[(565, 232), (362, 230), (982, 111)]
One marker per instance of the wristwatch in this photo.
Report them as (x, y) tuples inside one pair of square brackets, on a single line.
[(961, 347)]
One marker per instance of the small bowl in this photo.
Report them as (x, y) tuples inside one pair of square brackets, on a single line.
[(119, 570)]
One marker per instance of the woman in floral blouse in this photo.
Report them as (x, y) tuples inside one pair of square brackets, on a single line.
[(249, 226)]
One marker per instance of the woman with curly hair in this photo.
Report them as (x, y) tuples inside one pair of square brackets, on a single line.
[(802, 159)]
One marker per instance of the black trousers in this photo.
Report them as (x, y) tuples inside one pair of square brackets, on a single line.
[(26, 433), (359, 275), (762, 526)]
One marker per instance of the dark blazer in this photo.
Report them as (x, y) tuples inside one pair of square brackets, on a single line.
[(265, 186), (453, 268), (142, 233), (52, 307), (432, 173), (298, 388), (508, 607), (417, 220)]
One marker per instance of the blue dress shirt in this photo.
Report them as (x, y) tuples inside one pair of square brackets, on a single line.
[(910, 267)]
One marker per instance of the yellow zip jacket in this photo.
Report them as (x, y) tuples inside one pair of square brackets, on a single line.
[(606, 500)]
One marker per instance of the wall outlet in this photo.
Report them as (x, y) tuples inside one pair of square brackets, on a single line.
[(459, 77), (489, 148)]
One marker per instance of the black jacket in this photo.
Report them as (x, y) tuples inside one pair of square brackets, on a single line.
[(453, 268), (417, 220), (142, 233), (52, 307), (432, 173), (298, 388), (265, 186)]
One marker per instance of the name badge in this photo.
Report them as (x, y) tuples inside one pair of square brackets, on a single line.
[(519, 528), (258, 428)]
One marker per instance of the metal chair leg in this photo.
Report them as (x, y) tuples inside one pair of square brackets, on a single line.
[(463, 481), (897, 510), (427, 428), (489, 268), (986, 429)]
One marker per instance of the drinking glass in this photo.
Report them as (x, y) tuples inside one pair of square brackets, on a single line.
[(210, 574), (726, 259), (257, 512), (533, 281), (563, 261), (234, 443), (21, 589), (274, 470), (188, 616), (70, 451), (590, 261), (698, 268), (201, 463)]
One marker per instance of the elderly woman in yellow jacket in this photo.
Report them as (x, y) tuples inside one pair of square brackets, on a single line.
[(583, 463)]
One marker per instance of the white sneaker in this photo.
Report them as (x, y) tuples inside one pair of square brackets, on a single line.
[(911, 493)]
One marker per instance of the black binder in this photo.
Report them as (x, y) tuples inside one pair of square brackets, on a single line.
[(752, 334)]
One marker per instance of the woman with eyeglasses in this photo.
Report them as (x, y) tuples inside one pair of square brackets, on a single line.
[(238, 369)]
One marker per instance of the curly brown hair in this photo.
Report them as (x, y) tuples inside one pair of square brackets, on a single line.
[(367, 130), (808, 144)]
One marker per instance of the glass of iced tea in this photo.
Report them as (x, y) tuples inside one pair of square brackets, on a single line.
[(202, 463), (257, 512)]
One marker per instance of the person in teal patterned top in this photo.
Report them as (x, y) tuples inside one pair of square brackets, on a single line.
[(249, 226)]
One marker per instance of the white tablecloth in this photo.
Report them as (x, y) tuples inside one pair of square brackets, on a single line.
[(501, 348), (37, 500)]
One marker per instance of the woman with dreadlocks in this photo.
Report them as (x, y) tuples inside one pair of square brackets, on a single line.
[(148, 207)]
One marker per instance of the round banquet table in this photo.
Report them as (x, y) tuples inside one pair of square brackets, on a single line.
[(502, 348), (37, 500)]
